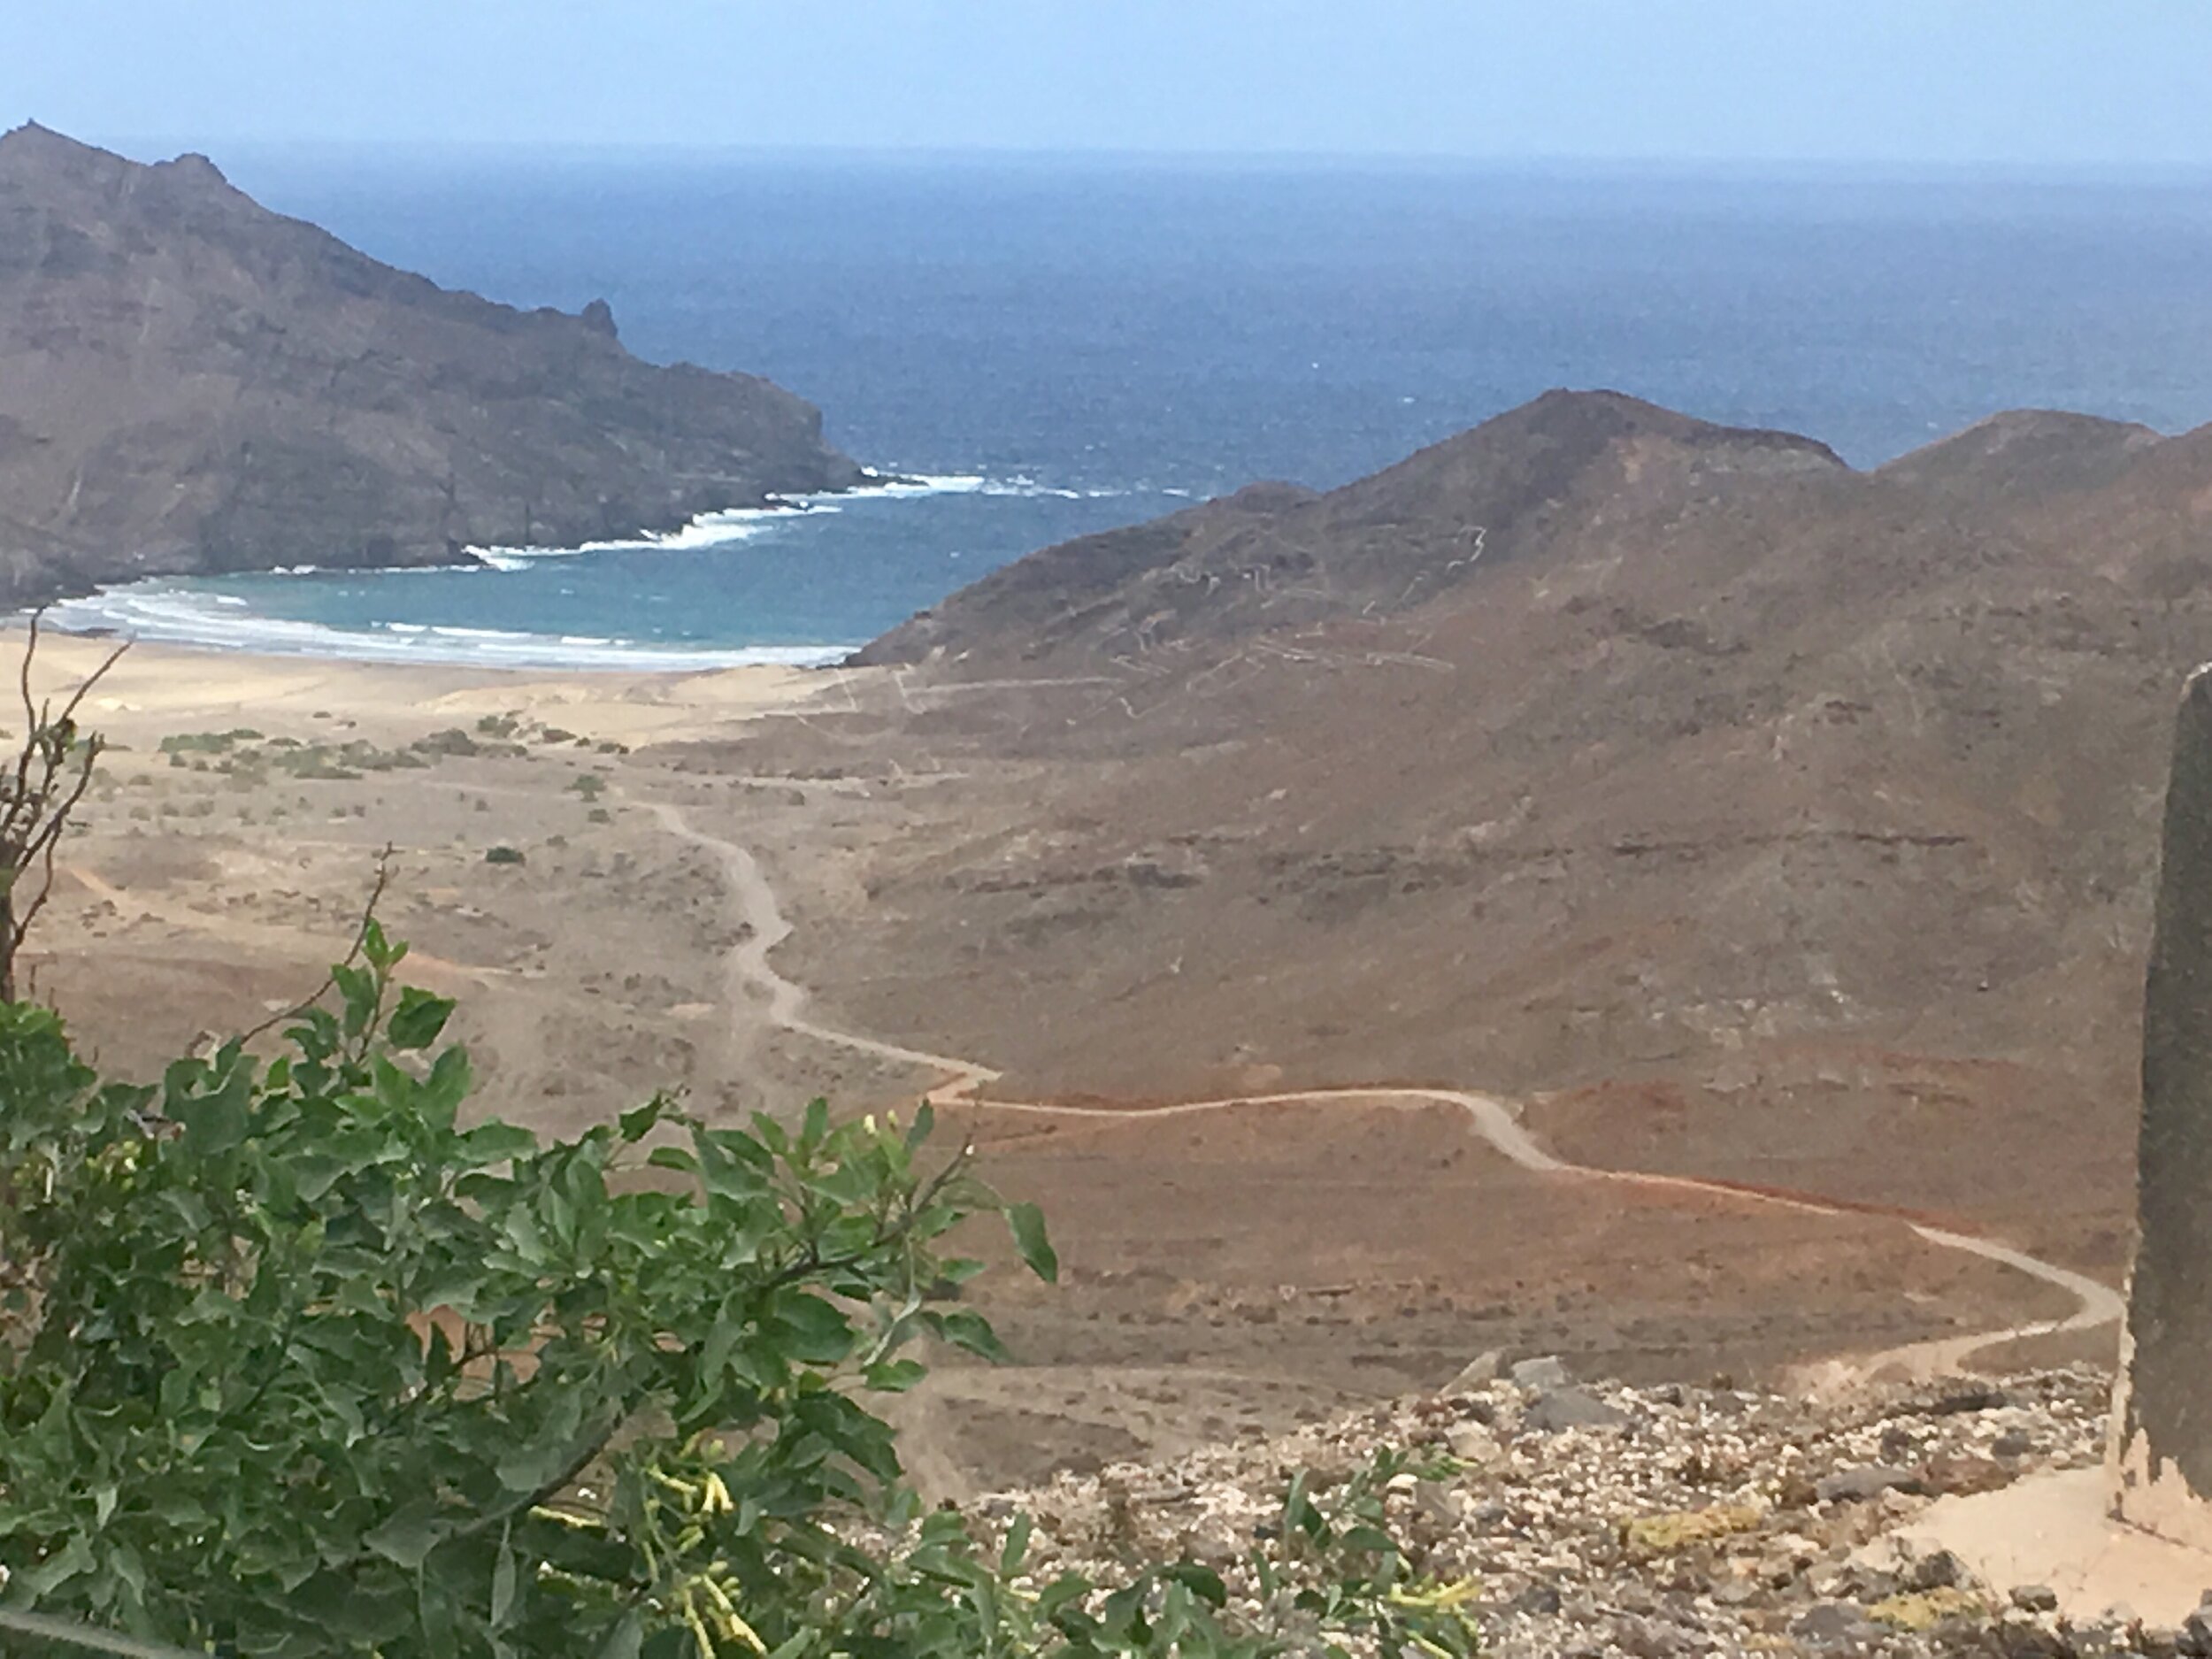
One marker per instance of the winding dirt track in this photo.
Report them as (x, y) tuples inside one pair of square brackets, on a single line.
[(749, 974)]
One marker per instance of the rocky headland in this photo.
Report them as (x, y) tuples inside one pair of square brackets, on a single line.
[(189, 382)]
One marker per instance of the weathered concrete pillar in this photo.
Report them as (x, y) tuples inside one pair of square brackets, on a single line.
[(2162, 1415)]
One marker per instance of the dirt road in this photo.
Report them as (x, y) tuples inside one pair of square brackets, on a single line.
[(753, 977)]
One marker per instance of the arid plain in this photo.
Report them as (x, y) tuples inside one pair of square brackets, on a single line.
[(1227, 1270)]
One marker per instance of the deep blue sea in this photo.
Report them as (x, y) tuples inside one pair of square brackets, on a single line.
[(1062, 346)]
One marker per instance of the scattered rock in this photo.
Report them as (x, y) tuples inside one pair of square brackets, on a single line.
[(1548, 1371), (1559, 1409), (2017, 1638), (2034, 1598), (1960, 1395), (1941, 1571), (1835, 1626), (1856, 1486), (1537, 1598), (1478, 1374), (1957, 1475), (2195, 1635), (1721, 1526), (1473, 1444)]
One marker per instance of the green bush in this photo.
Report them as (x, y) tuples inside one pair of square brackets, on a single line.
[(297, 1364), (503, 854)]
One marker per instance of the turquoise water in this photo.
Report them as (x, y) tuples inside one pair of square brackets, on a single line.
[(1058, 346)]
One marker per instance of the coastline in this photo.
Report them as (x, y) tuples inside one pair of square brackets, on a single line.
[(188, 610)]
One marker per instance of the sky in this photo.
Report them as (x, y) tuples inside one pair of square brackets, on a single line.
[(2009, 82)]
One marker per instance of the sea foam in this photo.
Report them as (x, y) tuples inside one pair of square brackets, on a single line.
[(169, 612)]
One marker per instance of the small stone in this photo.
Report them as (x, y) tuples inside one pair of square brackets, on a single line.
[(1795, 1493), (1940, 1570), (1539, 1599), (1835, 1626), (2034, 1598), (1547, 1372), (2013, 1443), (1960, 1396), (1479, 1374), (1571, 1408), (1856, 1486), (2017, 1638), (1472, 1445), (1956, 1476)]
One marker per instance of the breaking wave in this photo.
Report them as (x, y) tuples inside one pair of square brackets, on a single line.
[(739, 523), (190, 613)]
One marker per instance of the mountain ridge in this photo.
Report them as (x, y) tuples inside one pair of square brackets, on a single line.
[(1393, 539)]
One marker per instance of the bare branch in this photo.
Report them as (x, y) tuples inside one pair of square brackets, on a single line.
[(40, 795), (353, 952)]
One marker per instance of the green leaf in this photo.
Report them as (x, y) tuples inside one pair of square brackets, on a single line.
[(502, 1585), (1028, 1223), (623, 1641), (494, 1141), (215, 1124), (895, 1376), (1202, 1581), (1016, 1546), (447, 1085), (409, 1535), (925, 1123), (357, 993), (418, 1020)]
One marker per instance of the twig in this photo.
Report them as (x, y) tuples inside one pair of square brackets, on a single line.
[(353, 953)]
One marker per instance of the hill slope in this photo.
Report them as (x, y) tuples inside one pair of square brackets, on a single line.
[(1769, 814), (190, 382), (1274, 556)]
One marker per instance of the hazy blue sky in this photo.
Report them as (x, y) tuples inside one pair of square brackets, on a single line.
[(2034, 81)]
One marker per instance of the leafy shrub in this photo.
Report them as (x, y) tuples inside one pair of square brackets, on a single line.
[(208, 743), (503, 854), (452, 741), (297, 1364), (301, 1364)]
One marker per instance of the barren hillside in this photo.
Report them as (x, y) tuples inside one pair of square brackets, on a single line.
[(190, 382)]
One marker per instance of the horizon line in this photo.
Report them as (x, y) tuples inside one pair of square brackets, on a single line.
[(164, 146)]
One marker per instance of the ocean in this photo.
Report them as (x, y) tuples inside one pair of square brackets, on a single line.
[(1056, 347)]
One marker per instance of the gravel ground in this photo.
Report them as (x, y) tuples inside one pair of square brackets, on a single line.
[(1593, 1519)]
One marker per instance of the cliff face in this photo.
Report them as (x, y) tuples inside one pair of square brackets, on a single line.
[(189, 382)]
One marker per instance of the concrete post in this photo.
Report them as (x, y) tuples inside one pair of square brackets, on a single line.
[(2162, 1415)]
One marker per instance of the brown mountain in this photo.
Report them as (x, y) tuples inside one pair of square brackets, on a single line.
[(1764, 814), (1274, 556), (190, 382)]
